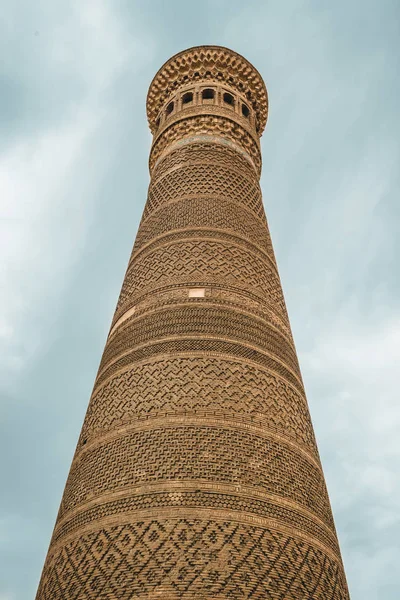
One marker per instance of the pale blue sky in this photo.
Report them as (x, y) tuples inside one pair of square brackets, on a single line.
[(73, 174)]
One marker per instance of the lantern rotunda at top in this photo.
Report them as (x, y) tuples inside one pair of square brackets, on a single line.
[(233, 80)]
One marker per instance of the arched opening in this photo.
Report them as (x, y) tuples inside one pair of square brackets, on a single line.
[(245, 111), (208, 94), (229, 99), (187, 98), (158, 123), (170, 108)]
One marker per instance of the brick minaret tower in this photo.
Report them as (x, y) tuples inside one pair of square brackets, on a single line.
[(196, 474)]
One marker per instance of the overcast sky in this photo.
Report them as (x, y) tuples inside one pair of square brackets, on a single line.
[(74, 146)]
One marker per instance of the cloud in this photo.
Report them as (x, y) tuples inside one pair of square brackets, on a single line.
[(63, 68), (73, 177), (40, 216), (46, 176), (351, 376)]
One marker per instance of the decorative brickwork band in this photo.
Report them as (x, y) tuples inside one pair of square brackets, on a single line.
[(196, 474)]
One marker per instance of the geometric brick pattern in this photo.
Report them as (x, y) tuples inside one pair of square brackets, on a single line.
[(202, 321), (197, 474), (225, 129), (191, 559), (215, 212), (212, 211), (208, 262), (192, 452), (186, 498), (199, 385), (204, 179)]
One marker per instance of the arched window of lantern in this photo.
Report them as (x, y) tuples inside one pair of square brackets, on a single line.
[(187, 98), (228, 99), (208, 95), (169, 108), (245, 111)]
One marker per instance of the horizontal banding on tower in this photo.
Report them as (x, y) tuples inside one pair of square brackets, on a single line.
[(197, 474)]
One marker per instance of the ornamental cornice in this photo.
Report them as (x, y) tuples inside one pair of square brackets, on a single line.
[(203, 63)]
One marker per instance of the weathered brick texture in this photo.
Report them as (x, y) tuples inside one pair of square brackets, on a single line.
[(197, 475)]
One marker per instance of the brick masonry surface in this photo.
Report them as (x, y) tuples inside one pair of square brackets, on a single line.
[(196, 474)]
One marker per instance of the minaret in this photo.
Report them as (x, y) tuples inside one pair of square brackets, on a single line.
[(196, 474)]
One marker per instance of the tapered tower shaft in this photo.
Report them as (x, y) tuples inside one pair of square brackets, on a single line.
[(196, 474)]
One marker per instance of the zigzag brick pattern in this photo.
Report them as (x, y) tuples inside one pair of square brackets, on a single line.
[(196, 474), (199, 385)]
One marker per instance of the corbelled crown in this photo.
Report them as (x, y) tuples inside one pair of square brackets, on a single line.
[(207, 75)]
